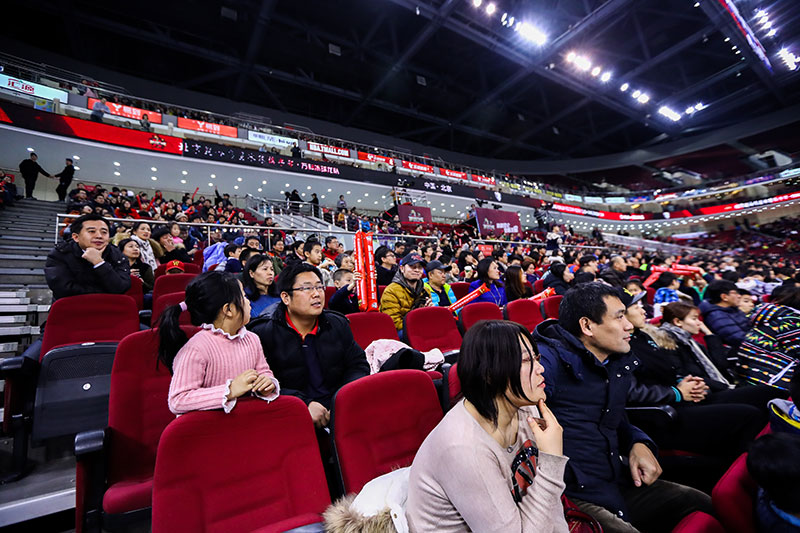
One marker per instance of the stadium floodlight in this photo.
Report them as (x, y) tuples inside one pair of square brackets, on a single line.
[(571, 57), (531, 33), (596, 71), (689, 110), (583, 63), (643, 98), (761, 13), (605, 77), (671, 114), (789, 58), (772, 32), (637, 93), (624, 87), (491, 8), (477, 3)]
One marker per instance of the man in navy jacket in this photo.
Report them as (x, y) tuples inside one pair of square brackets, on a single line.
[(721, 313), (612, 472)]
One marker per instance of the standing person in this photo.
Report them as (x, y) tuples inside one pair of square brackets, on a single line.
[(145, 123), (99, 109), (296, 153), (315, 212), (30, 171), (223, 361), (341, 205), (65, 179)]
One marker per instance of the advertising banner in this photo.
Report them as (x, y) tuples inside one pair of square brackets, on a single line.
[(452, 173), (494, 221), (419, 167), (375, 158), (272, 140), (207, 127), (486, 180), (254, 158), (330, 150), (413, 214), (128, 111), (32, 89)]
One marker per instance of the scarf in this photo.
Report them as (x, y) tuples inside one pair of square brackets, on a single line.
[(699, 354), (146, 252)]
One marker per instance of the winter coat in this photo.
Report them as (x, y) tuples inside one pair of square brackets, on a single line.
[(588, 399), (340, 358), (561, 287), (496, 293), (385, 275), (399, 298), (659, 368), (68, 274), (771, 345), (689, 365), (730, 324), (436, 299)]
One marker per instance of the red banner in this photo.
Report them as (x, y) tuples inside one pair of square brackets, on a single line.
[(375, 158), (608, 215), (486, 180), (412, 214), (128, 111), (487, 249), (86, 129), (494, 221), (410, 165), (207, 127), (327, 149), (452, 173)]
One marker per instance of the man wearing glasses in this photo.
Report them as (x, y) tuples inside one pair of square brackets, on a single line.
[(311, 351)]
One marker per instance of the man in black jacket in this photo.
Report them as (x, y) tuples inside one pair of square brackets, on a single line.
[(64, 180), (87, 264), (30, 170), (312, 352)]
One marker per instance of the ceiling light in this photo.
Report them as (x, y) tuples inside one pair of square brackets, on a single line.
[(789, 58), (259, 189), (596, 71), (605, 77), (76, 157), (31, 150), (491, 8), (329, 190), (77, 168), (697, 4), (154, 178), (636, 93), (761, 13), (213, 176), (772, 32), (583, 63), (530, 33), (184, 172), (236, 187), (348, 192), (699, 106), (116, 173), (309, 187), (323, 196), (727, 39), (477, 3), (238, 179), (183, 181), (116, 163), (571, 57), (154, 169), (624, 87), (359, 200), (287, 185), (674, 116), (689, 110), (263, 182), (210, 184), (643, 98)]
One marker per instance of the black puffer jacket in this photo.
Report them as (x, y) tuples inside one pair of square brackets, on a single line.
[(340, 358), (660, 369), (68, 274)]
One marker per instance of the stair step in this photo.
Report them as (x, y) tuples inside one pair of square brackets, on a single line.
[(23, 279), (8, 347), (16, 233), (22, 238), (16, 300), (23, 308), (38, 227), (13, 294), (35, 262), (13, 319), (28, 286), (28, 249), (17, 331)]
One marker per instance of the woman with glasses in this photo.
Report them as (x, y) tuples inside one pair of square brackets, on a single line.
[(495, 462)]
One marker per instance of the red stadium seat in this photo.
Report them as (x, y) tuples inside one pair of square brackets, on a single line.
[(733, 498), (525, 312), (115, 466), (451, 386), (137, 292), (477, 311), (365, 446), (171, 283), (329, 292), (699, 522), (381, 288), (550, 306), (273, 482), (166, 300), (651, 295), (188, 268), (368, 327), (460, 289), (427, 328), (538, 286)]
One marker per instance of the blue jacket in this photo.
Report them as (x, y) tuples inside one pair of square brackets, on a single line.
[(496, 293), (728, 323), (588, 399), (343, 301)]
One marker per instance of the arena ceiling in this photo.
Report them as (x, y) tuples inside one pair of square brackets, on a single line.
[(511, 79)]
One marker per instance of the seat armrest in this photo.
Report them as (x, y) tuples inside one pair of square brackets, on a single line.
[(663, 412), (451, 356), (90, 442), (145, 315), (19, 366)]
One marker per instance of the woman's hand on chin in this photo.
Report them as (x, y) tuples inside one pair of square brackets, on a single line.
[(547, 431)]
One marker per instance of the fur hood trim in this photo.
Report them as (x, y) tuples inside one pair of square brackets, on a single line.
[(661, 337)]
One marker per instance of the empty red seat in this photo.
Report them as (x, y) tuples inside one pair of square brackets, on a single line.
[(136, 292), (272, 481), (538, 286), (167, 300), (550, 306), (460, 289), (188, 268), (524, 312), (477, 311), (171, 283), (651, 295), (368, 327), (427, 328), (329, 292), (365, 446), (733, 497)]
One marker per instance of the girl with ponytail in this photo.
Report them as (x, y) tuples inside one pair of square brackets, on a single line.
[(223, 361)]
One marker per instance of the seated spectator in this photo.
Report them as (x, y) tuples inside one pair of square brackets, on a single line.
[(774, 463), (588, 263), (223, 361), (295, 254), (406, 291), (311, 351), (345, 261), (140, 232), (175, 267), (312, 251), (747, 302), (258, 279), (666, 286), (78, 202), (489, 275), (86, 264), (171, 251), (386, 265), (138, 268), (489, 438), (253, 242), (770, 351), (331, 248), (439, 291), (345, 300), (588, 368), (721, 313), (231, 263), (559, 278), (515, 284), (277, 255), (144, 123)]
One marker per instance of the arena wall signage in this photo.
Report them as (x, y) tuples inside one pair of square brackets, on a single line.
[(495, 221), (419, 167), (414, 214), (486, 180), (452, 173), (32, 89), (207, 127), (254, 158), (375, 158), (272, 140), (327, 149), (128, 111)]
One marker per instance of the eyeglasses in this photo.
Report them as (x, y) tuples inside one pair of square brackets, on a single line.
[(317, 288), (535, 357)]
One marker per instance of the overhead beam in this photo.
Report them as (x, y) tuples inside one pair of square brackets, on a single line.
[(256, 38), (213, 75)]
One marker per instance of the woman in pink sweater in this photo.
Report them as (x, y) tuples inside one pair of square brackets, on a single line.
[(494, 463), (223, 361)]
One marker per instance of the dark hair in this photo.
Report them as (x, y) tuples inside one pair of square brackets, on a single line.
[(483, 272), (205, 296), (329, 238), (139, 223), (489, 364), (251, 237), (557, 270), (774, 463), (788, 295), (679, 310), (515, 288), (77, 224), (637, 282), (288, 275), (231, 249), (340, 273), (584, 300), (309, 245), (664, 280), (159, 232), (124, 242), (717, 288), (297, 245), (249, 284)]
